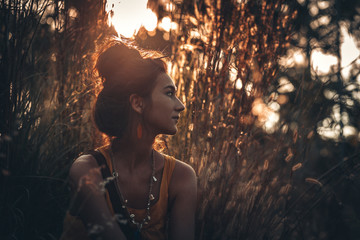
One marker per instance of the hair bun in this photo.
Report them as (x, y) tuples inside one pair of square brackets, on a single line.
[(124, 71), (114, 59)]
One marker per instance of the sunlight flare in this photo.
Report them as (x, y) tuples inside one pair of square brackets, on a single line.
[(128, 16), (349, 52), (165, 24), (267, 118), (322, 63)]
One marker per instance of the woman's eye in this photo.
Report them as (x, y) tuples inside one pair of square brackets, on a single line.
[(170, 94)]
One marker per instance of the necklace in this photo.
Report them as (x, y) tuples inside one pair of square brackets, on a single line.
[(153, 179)]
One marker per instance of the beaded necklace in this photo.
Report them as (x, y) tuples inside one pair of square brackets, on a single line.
[(153, 179)]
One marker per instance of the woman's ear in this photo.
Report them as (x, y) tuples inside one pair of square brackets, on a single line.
[(137, 103)]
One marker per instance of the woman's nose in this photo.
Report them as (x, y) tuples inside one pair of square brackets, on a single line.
[(179, 105)]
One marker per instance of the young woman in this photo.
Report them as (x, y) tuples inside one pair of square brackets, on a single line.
[(154, 195)]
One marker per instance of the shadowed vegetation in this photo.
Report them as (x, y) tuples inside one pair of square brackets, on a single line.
[(46, 93)]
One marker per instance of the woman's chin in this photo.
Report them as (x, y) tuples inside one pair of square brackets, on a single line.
[(171, 131)]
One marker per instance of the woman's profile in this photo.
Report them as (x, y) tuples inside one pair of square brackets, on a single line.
[(128, 190)]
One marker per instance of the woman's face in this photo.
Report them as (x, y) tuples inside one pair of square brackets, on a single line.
[(164, 109)]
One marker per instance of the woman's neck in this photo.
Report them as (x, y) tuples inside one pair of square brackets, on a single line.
[(132, 152)]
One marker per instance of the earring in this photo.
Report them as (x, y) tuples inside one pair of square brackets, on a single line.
[(139, 131)]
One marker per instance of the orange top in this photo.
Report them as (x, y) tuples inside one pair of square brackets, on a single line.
[(158, 212), (74, 229)]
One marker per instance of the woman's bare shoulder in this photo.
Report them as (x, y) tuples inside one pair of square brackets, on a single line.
[(83, 162), (183, 169), (183, 199), (183, 179), (85, 165)]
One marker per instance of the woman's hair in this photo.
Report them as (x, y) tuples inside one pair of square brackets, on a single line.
[(124, 70)]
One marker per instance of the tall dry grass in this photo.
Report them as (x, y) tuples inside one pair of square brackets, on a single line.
[(45, 97), (242, 194), (254, 183)]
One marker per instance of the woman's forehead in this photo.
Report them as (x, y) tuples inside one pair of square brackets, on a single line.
[(164, 80)]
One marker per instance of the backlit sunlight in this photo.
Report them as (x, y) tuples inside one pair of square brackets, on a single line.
[(349, 53), (323, 63), (127, 16)]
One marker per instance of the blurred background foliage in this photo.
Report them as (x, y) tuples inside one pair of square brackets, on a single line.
[(46, 93), (273, 137)]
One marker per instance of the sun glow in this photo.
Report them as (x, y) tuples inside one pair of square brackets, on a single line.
[(166, 24), (322, 63), (127, 16), (267, 116), (349, 52)]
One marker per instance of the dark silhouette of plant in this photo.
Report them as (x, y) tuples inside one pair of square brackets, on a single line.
[(45, 96)]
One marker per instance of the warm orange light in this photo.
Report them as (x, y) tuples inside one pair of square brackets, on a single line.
[(165, 24), (150, 20), (129, 15), (267, 118)]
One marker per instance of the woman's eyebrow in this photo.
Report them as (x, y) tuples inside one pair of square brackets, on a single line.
[(173, 88)]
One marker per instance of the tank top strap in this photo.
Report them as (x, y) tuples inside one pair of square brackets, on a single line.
[(105, 151), (156, 228), (169, 165)]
